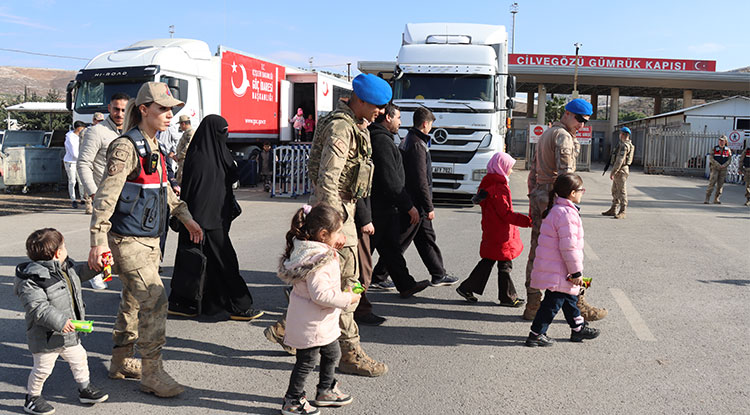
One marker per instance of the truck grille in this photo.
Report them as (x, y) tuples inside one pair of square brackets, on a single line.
[(461, 157)]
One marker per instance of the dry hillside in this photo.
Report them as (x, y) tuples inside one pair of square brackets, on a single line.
[(13, 80)]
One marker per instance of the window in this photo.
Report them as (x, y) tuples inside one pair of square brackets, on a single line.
[(742, 124), (447, 87), (93, 96)]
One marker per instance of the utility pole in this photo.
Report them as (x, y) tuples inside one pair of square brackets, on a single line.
[(575, 75), (311, 61), (171, 31), (348, 71), (513, 11)]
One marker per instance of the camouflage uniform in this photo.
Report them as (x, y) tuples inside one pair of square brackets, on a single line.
[(555, 154), (182, 148), (620, 160), (745, 167), (142, 313), (720, 159), (340, 169)]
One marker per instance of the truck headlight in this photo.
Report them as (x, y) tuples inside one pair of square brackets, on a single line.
[(486, 141), (477, 175)]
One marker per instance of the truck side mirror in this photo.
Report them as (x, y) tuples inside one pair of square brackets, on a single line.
[(511, 86), (69, 95), (178, 87)]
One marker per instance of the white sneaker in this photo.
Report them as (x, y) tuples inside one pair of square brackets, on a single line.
[(98, 283)]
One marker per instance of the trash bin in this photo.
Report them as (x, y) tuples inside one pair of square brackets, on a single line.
[(27, 160)]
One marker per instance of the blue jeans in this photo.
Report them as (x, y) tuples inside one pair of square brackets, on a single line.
[(551, 304)]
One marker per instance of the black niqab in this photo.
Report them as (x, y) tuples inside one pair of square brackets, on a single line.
[(209, 172)]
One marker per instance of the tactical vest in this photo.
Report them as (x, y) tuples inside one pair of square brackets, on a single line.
[(356, 177), (746, 161), (142, 206), (721, 154)]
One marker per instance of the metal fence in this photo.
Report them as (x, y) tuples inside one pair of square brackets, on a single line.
[(683, 152), (290, 178)]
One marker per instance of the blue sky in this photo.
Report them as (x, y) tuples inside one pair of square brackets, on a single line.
[(293, 31)]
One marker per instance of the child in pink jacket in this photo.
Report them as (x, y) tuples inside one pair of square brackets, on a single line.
[(311, 265), (559, 263)]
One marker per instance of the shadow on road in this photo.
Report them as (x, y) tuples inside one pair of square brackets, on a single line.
[(741, 283)]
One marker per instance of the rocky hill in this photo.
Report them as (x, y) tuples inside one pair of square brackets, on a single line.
[(13, 80)]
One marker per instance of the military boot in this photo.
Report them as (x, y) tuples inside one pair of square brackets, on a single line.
[(275, 334), (532, 305), (157, 381), (611, 211), (355, 361), (620, 214), (716, 201), (589, 312), (708, 199), (123, 364), (748, 202)]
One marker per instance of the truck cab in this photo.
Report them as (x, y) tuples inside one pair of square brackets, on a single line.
[(460, 73)]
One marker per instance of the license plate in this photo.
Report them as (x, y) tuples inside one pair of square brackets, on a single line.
[(440, 169)]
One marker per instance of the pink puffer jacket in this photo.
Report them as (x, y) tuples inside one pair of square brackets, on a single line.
[(316, 300), (560, 249)]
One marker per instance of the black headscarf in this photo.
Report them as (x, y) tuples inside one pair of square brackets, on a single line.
[(209, 172)]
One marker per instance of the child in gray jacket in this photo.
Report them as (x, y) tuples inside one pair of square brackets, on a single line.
[(49, 288)]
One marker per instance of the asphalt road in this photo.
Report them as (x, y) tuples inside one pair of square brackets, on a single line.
[(674, 276)]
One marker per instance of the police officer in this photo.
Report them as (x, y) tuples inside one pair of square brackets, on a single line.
[(721, 157), (621, 159), (341, 172), (555, 154), (129, 209), (745, 166)]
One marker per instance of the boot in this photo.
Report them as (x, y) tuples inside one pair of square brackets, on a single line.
[(89, 205), (355, 361), (708, 199), (611, 211), (532, 305), (716, 201), (123, 364), (620, 214), (275, 334), (157, 381), (589, 312), (748, 202)]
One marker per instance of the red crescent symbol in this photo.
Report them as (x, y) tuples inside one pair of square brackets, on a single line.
[(325, 93)]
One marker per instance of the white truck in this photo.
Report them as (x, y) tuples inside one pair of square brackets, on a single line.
[(256, 96), (459, 72)]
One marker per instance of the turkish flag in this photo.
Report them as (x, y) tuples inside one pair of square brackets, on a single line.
[(250, 94)]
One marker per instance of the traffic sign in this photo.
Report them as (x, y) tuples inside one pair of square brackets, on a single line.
[(735, 140)]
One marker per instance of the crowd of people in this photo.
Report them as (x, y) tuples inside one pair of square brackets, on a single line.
[(369, 195)]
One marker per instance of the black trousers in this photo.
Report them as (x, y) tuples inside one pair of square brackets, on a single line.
[(224, 287), (423, 235), (479, 276), (388, 240), (306, 359)]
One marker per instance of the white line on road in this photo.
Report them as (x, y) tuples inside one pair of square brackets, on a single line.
[(588, 251), (634, 318)]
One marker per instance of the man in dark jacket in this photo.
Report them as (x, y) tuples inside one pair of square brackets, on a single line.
[(418, 170), (391, 204)]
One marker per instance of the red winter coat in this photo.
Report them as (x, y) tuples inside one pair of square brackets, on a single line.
[(500, 238)]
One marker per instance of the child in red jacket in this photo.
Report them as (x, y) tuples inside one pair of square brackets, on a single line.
[(501, 242)]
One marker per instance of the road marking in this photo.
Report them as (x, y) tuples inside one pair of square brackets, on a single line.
[(588, 251), (634, 318)]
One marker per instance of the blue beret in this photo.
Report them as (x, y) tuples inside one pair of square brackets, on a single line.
[(372, 89), (579, 106), (625, 130)]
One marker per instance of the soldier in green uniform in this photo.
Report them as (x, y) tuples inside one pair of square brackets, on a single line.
[(720, 158), (340, 168), (130, 206), (621, 159)]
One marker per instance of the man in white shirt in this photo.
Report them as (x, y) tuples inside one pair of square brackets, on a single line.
[(70, 159)]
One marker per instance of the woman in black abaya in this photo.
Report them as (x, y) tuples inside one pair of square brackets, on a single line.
[(209, 172)]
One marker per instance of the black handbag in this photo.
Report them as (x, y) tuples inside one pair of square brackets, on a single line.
[(236, 208), (189, 274)]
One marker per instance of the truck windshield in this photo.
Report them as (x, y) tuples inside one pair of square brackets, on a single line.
[(445, 86), (92, 96)]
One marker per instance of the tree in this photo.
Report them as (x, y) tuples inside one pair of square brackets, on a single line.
[(37, 120), (554, 109), (631, 115)]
